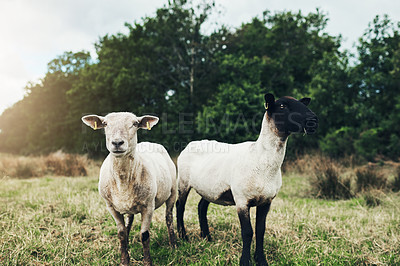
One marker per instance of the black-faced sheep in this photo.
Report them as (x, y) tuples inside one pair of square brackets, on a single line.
[(246, 174)]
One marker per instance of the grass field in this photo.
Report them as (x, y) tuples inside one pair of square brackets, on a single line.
[(63, 221)]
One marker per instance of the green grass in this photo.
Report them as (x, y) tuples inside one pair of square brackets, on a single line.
[(63, 221)]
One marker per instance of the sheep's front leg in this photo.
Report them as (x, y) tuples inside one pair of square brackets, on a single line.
[(129, 224), (122, 234), (247, 234), (147, 214), (261, 216)]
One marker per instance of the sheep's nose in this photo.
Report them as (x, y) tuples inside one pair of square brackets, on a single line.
[(117, 143), (311, 124)]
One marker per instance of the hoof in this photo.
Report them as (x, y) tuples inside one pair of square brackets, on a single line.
[(260, 260), (204, 236), (183, 236), (245, 261), (147, 262), (172, 244), (172, 240), (124, 262)]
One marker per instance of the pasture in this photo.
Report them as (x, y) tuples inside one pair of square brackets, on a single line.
[(63, 220)]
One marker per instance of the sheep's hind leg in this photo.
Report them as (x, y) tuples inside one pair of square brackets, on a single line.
[(169, 218), (202, 210), (247, 234), (122, 234), (261, 216), (180, 210)]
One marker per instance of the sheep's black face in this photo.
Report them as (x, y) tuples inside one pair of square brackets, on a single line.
[(291, 115)]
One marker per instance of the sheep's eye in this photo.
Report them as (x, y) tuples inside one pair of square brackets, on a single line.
[(282, 106), (135, 124), (104, 124)]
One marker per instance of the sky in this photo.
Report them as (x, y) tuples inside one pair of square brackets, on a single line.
[(32, 33)]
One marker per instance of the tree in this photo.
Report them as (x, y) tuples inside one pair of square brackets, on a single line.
[(377, 80), (38, 123)]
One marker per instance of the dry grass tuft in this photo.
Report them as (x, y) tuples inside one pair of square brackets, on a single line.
[(396, 181), (328, 181), (21, 166), (301, 165), (63, 164), (368, 178), (58, 163), (373, 197)]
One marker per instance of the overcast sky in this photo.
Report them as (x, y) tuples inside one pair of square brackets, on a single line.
[(35, 32)]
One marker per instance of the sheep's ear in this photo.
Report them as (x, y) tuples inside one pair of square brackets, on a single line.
[(147, 121), (94, 121), (269, 100), (305, 101)]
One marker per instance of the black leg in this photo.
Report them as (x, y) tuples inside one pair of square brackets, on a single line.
[(202, 210), (261, 216), (247, 235), (180, 210)]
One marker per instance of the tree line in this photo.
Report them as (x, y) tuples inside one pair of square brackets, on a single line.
[(212, 85)]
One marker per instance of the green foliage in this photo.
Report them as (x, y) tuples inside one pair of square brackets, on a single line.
[(212, 85), (396, 181), (236, 112), (339, 142), (368, 143)]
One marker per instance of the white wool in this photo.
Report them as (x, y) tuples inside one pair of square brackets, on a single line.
[(251, 170), (134, 178)]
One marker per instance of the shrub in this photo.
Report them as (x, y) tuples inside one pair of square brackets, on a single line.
[(393, 148), (57, 163), (372, 198), (328, 182), (21, 167), (339, 142), (368, 144), (368, 178), (396, 181), (25, 169), (60, 163)]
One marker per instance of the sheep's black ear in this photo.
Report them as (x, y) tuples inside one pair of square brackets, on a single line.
[(94, 121), (306, 101), (147, 121), (269, 100)]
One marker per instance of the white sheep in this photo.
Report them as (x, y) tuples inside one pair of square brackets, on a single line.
[(134, 178), (246, 174)]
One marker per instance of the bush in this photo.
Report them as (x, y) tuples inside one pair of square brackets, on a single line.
[(368, 144), (368, 178), (393, 148), (328, 182), (60, 163), (57, 163), (339, 142), (372, 198), (21, 167), (396, 181)]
